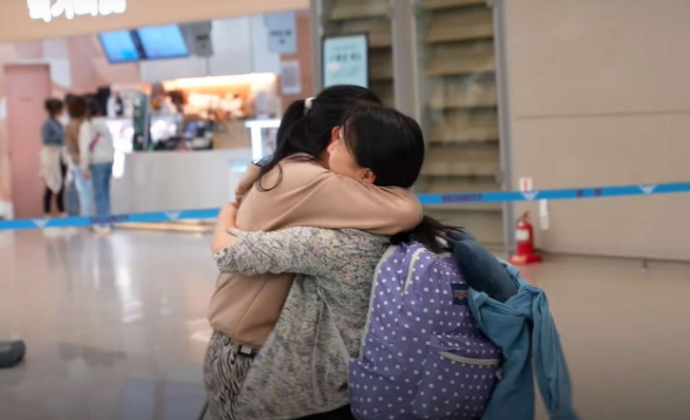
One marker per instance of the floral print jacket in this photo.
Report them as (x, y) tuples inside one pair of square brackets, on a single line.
[(301, 369)]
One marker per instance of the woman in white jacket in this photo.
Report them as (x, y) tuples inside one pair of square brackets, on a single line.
[(96, 155)]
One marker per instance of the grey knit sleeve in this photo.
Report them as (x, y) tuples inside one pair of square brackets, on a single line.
[(305, 250)]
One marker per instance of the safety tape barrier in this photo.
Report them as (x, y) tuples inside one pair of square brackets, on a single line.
[(84, 221), (425, 199), (564, 194)]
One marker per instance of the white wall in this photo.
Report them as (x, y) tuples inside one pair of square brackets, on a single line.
[(263, 61), (178, 180), (240, 47), (176, 68), (16, 24), (600, 95), (232, 49)]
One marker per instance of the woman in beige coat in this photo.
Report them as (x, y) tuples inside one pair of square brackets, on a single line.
[(295, 188)]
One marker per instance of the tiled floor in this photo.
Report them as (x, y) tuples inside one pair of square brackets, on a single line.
[(116, 328)]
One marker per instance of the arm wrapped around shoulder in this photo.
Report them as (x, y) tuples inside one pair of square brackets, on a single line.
[(331, 201)]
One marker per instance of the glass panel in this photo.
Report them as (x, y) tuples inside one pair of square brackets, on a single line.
[(459, 110), (371, 17)]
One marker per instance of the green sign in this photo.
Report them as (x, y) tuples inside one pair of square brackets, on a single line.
[(346, 60)]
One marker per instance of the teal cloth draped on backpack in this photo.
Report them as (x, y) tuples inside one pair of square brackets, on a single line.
[(524, 330)]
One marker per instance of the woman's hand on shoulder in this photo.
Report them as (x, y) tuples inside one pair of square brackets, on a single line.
[(226, 220)]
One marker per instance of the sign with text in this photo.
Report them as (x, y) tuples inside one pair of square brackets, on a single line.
[(282, 32), (291, 77), (46, 10), (346, 60)]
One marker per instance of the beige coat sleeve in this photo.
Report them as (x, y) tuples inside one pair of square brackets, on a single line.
[(310, 195)]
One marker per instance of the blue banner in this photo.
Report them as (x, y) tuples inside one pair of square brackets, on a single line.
[(425, 199)]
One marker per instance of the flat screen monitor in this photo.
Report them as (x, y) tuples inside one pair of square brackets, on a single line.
[(120, 46), (161, 42), (345, 60)]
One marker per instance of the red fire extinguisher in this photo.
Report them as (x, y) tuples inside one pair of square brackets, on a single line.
[(524, 238)]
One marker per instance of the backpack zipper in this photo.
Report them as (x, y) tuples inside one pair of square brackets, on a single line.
[(469, 361)]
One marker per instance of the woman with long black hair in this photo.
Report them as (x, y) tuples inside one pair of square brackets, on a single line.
[(300, 371), (292, 188)]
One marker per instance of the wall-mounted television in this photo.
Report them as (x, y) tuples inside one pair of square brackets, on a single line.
[(120, 46), (150, 43), (161, 42)]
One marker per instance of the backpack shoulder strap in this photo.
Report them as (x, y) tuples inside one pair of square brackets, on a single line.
[(339, 338)]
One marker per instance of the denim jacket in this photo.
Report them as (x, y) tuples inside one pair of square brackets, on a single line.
[(523, 329), (52, 133)]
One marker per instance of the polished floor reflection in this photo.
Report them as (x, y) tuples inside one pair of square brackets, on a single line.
[(115, 326), (116, 329)]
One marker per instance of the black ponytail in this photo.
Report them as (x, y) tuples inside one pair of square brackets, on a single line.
[(431, 233), (308, 131), (289, 142)]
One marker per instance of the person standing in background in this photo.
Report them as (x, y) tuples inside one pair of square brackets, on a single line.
[(96, 153), (76, 108), (53, 168), (72, 205)]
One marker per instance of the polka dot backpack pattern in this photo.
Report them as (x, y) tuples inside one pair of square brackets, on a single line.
[(423, 356)]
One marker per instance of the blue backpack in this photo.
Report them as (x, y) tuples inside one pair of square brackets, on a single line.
[(423, 355)]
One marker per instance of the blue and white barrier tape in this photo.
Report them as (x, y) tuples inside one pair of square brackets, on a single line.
[(425, 199), (565, 194), (84, 221)]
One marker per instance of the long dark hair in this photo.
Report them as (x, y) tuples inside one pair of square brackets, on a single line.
[(93, 108), (77, 107), (436, 235), (308, 131), (391, 145)]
